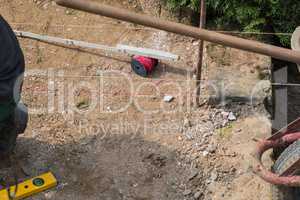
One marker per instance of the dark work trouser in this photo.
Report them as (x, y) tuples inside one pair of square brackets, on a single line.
[(11, 126)]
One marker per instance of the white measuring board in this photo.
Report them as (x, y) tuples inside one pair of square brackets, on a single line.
[(129, 50)]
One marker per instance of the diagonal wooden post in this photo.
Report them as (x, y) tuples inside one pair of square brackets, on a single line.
[(200, 55)]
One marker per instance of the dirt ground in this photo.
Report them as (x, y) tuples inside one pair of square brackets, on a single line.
[(106, 133)]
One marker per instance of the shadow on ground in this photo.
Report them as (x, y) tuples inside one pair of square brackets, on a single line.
[(114, 167)]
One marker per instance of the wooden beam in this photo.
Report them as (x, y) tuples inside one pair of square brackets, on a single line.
[(123, 49)]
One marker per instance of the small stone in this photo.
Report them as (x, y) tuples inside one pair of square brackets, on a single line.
[(194, 156), (207, 134), (205, 153), (186, 123), (197, 195), (98, 72), (195, 43), (108, 109), (211, 148), (233, 169), (214, 176), (231, 117), (187, 192), (180, 138), (135, 185), (49, 195), (225, 114), (193, 174), (208, 181), (168, 98), (189, 136), (45, 6)]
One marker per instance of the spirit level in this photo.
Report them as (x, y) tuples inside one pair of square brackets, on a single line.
[(30, 187)]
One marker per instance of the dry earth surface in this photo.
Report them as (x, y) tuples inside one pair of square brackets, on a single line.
[(151, 150)]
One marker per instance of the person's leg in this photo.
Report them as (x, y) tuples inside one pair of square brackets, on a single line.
[(8, 135), (7, 131), (13, 121), (12, 66)]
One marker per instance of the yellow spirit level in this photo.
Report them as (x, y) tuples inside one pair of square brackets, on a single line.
[(30, 187)]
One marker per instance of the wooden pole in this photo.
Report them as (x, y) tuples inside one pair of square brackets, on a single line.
[(200, 55)]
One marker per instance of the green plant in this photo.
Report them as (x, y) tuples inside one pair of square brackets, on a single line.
[(250, 16)]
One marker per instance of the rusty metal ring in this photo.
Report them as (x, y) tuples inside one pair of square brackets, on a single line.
[(267, 175)]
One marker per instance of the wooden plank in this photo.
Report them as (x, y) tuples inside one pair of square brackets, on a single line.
[(124, 49), (161, 55), (68, 42)]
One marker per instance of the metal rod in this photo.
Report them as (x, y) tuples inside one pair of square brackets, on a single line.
[(211, 36), (289, 128), (266, 174), (200, 55)]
